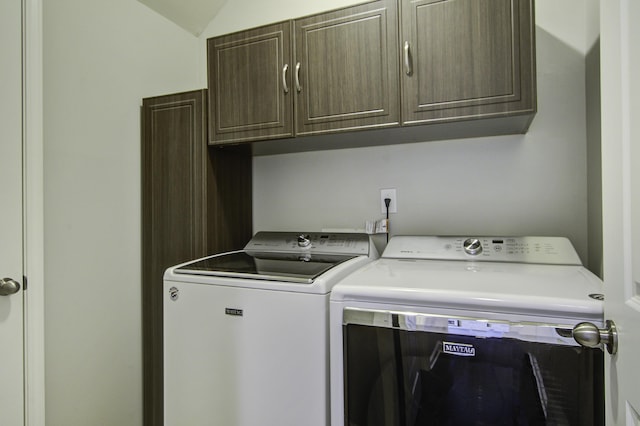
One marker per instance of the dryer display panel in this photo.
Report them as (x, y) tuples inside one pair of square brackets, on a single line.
[(399, 377)]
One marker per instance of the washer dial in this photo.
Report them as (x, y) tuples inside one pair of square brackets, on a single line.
[(303, 240)]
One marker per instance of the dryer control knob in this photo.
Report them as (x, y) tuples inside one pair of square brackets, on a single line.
[(472, 246), (303, 240)]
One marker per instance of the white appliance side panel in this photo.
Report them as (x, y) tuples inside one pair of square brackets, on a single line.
[(267, 367), (337, 363)]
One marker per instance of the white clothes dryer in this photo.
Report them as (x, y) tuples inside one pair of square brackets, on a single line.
[(246, 333), (467, 331)]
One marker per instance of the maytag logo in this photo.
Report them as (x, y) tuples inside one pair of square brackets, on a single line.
[(233, 312), (460, 349)]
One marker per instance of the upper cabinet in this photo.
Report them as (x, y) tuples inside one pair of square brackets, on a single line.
[(467, 59), (250, 97), (379, 64), (346, 64), (342, 75)]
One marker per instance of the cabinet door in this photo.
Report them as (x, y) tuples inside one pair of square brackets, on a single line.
[(250, 96), (347, 69), (174, 162), (466, 59)]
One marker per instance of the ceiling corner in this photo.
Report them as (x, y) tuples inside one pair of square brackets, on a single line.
[(192, 15)]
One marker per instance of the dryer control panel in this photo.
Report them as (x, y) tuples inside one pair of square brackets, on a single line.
[(539, 250)]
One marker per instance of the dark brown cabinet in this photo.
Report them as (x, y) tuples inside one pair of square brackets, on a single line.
[(440, 62), (196, 200), (342, 75), (346, 69), (249, 85), (467, 59)]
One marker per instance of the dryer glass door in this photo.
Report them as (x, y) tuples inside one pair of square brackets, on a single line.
[(406, 370)]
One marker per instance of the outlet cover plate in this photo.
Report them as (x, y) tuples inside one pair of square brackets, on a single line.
[(388, 193)]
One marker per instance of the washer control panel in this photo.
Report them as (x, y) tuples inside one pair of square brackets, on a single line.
[(310, 242), (545, 250)]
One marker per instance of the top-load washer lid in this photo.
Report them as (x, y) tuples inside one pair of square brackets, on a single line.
[(283, 256), (265, 266)]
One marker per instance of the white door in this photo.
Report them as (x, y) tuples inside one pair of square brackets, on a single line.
[(11, 247), (620, 76)]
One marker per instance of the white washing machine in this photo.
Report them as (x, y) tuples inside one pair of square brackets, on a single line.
[(246, 333), (467, 331)]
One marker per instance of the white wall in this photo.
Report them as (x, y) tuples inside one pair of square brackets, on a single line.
[(533, 184), (594, 143), (100, 59)]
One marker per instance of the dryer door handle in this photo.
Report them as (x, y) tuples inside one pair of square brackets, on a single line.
[(590, 336)]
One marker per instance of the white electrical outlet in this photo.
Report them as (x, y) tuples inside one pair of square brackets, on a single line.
[(391, 194)]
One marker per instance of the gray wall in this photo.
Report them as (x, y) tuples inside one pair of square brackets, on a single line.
[(594, 145), (100, 59)]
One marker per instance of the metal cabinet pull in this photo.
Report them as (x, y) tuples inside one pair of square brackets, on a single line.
[(298, 87), (587, 334), (407, 59), (284, 78)]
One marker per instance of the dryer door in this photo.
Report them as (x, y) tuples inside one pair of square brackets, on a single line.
[(414, 369)]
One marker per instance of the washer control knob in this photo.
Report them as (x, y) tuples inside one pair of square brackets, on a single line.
[(472, 246), (303, 240)]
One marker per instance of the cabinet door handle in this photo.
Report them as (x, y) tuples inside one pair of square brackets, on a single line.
[(284, 78), (298, 87), (407, 59)]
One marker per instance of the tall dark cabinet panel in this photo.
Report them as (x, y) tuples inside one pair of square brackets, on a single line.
[(196, 200), (467, 59)]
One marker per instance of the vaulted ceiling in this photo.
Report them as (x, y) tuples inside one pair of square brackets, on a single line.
[(192, 15)]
